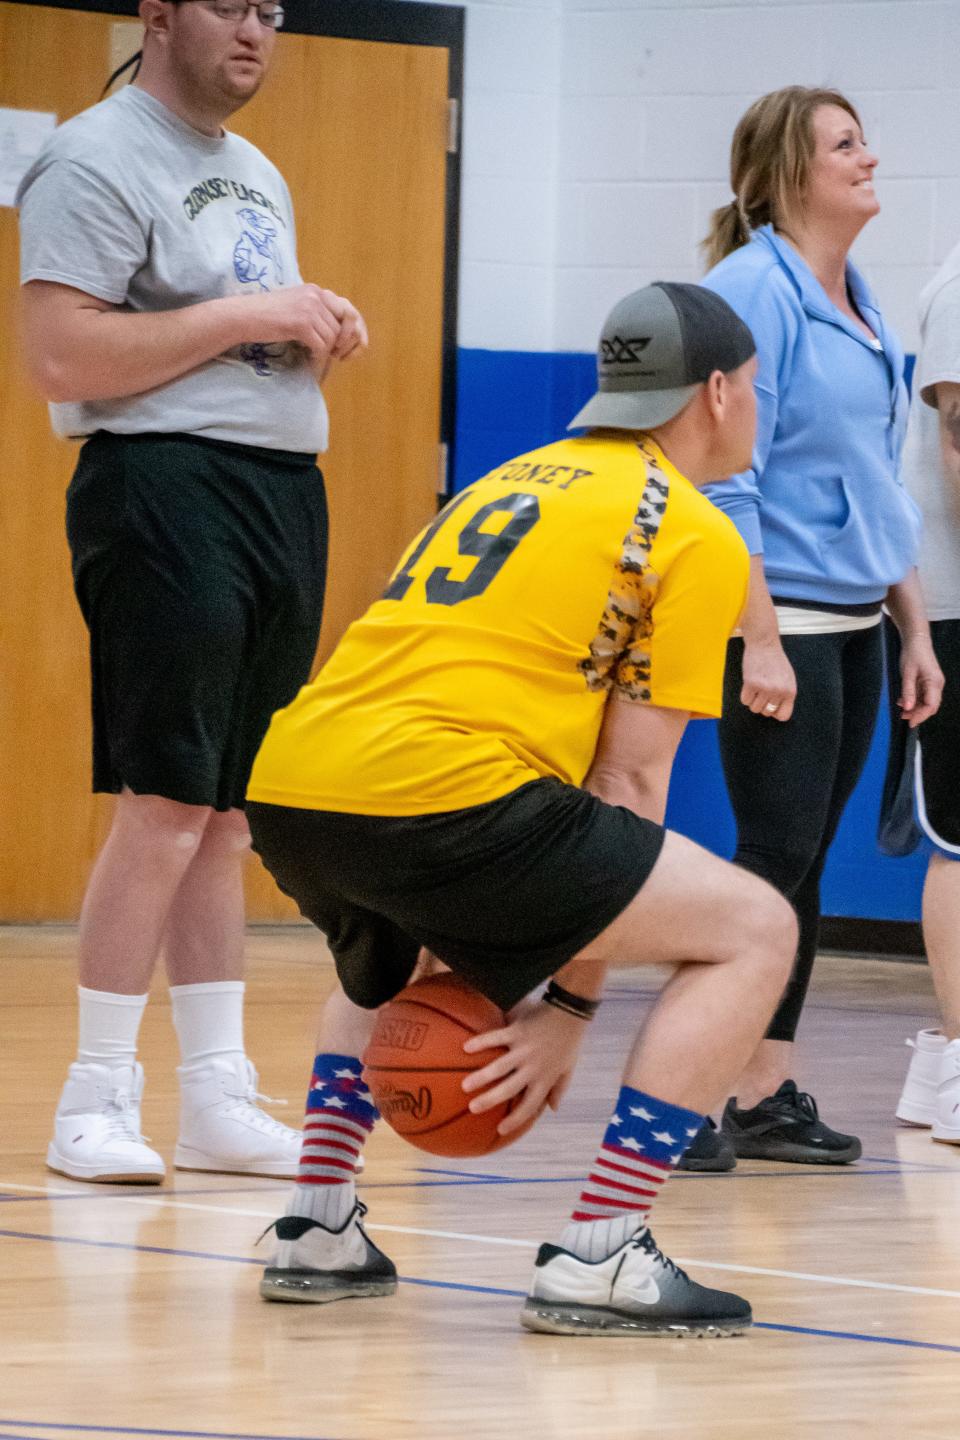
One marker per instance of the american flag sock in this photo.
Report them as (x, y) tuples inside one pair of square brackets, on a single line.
[(642, 1144), (340, 1116)]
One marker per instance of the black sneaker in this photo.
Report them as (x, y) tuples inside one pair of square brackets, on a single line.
[(315, 1264), (786, 1126), (635, 1291), (711, 1150)]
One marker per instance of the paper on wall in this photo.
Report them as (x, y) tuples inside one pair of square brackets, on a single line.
[(23, 134)]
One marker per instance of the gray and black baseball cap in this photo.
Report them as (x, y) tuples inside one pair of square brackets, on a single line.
[(657, 346)]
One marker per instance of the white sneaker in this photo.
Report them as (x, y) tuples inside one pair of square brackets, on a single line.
[(635, 1291), (946, 1124), (918, 1099), (97, 1128), (223, 1129), (315, 1264)]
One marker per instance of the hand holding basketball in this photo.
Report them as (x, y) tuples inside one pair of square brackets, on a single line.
[(415, 1063), (539, 1051)]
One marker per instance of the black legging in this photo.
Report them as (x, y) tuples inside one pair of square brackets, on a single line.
[(790, 781)]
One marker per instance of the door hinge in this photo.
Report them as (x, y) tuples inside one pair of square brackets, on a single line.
[(443, 462), (453, 126)]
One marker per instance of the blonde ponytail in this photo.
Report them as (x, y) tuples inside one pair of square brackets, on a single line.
[(728, 231)]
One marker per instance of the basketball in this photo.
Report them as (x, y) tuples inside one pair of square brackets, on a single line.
[(415, 1064)]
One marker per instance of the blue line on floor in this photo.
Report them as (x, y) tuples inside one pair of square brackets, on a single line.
[(822, 1172), (798, 1172), (141, 1430), (463, 1174), (857, 1335), (125, 1245), (460, 1285), (404, 1280), (911, 1165)]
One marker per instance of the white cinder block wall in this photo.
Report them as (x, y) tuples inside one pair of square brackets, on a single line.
[(597, 133), (509, 203)]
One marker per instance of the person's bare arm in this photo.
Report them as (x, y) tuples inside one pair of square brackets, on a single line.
[(80, 348), (768, 678), (920, 676), (948, 407), (634, 756), (631, 767), (921, 679)]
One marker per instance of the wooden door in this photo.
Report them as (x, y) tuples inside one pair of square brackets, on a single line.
[(358, 129)]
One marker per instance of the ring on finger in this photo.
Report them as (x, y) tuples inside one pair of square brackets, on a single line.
[(771, 707)]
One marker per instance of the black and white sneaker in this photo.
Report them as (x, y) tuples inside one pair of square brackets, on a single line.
[(315, 1264), (710, 1150), (635, 1291), (787, 1126)]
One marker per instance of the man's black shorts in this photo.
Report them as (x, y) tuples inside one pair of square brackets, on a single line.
[(199, 567), (504, 893), (938, 762)]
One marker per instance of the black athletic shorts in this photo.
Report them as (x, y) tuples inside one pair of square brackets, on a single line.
[(938, 761), (504, 893), (199, 567)]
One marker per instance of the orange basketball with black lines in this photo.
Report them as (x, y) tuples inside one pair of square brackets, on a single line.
[(415, 1066)]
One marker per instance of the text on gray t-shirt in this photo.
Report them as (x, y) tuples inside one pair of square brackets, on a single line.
[(130, 204)]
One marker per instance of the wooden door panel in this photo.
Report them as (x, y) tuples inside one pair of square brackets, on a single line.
[(358, 130)]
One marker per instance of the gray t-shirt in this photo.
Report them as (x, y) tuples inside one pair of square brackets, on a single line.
[(130, 204), (923, 471)]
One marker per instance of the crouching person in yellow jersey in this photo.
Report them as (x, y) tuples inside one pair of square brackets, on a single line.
[(481, 769)]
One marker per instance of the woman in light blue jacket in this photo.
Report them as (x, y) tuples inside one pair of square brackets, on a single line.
[(832, 536)]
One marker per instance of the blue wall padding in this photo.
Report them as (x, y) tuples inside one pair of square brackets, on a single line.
[(512, 401)]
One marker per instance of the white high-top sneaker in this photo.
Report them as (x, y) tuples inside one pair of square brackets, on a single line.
[(918, 1099), (222, 1128), (946, 1124), (97, 1128)]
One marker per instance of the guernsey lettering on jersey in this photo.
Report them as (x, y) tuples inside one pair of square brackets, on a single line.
[(218, 187), (586, 568), (528, 472)]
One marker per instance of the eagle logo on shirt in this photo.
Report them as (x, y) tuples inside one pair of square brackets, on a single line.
[(257, 261), (256, 255)]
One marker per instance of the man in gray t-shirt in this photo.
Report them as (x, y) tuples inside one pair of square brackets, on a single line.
[(931, 472), (167, 322)]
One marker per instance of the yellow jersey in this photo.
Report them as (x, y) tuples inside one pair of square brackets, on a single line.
[(588, 567)]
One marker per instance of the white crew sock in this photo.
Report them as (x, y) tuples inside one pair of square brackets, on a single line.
[(594, 1240), (208, 1019), (329, 1205), (108, 1026)]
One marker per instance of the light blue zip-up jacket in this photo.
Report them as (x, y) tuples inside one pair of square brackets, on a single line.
[(823, 502)]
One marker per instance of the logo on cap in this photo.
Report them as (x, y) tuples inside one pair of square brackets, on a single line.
[(617, 351)]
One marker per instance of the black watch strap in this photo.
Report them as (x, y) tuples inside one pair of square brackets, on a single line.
[(572, 1004)]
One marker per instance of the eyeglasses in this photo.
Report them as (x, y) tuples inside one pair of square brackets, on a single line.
[(235, 11)]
